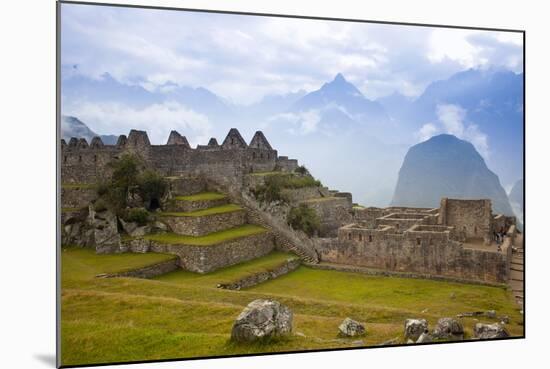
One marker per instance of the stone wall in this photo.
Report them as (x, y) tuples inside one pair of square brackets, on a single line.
[(295, 195), (77, 197), (287, 165), (333, 213), (149, 271), (419, 251), (204, 259), (83, 163), (202, 225), (257, 278), (471, 217)]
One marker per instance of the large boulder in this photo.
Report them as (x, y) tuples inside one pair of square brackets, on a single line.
[(415, 327), (351, 328), (106, 238), (260, 320), (448, 328), (489, 331), (424, 337)]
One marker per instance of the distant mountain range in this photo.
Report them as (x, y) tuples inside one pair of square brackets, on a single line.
[(349, 141), (73, 127), (445, 166)]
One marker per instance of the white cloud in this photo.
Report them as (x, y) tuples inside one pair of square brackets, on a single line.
[(243, 58), (452, 118), (302, 123), (427, 131), (157, 119)]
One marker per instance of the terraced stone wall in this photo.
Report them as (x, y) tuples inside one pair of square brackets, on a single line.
[(204, 259)]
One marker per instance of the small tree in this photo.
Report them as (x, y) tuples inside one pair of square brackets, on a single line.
[(150, 186), (305, 219)]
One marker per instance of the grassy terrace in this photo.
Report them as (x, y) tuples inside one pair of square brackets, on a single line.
[(203, 196), (230, 274), (272, 173), (84, 262), (209, 239), (78, 185), (203, 212), (183, 315), (322, 199)]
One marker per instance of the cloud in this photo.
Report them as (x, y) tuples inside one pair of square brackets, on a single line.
[(243, 58), (157, 119), (451, 119), (301, 123), (427, 131)]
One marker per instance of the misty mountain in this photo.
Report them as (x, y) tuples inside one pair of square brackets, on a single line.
[(445, 166), (340, 101), (73, 127), (516, 199), (77, 89), (493, 101)]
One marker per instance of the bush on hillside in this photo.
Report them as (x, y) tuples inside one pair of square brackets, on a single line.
[(137, 215), (305, 219)]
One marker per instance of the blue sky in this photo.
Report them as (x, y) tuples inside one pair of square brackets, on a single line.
[(243, 58)]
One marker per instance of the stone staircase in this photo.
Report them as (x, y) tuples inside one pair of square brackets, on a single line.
[(285, 238), (517, 270)]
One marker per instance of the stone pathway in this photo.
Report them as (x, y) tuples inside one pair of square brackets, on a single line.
[(517, 270)]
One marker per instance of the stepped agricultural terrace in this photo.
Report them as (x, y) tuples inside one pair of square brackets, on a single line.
[(210, 218)]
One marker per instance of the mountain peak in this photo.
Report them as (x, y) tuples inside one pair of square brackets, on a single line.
[(339, 78)]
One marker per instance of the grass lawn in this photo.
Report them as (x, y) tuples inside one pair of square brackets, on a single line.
[(229, 274), (203, 196), (203, 212), (210, 239), (183, 315)]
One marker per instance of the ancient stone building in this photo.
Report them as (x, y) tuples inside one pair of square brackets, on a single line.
[(83, 163), (454, 240)]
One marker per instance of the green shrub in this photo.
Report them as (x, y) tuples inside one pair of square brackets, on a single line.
[(137, 215), (100, 205), (304, 219), (273, 185), (150, 185), (302, 170)]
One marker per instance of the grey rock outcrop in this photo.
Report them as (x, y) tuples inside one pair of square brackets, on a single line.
[(260, 320), (490, 331), (424, 338), (415, 327), (448, 328), (105, 231), (351, 328)]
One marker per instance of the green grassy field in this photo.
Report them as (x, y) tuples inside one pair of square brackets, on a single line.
[(209, 239), (201, 197), (229, 274), (229, 208), (183, 314)]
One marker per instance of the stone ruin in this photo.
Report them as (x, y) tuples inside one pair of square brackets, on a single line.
[(452, 241), (83, 163)]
